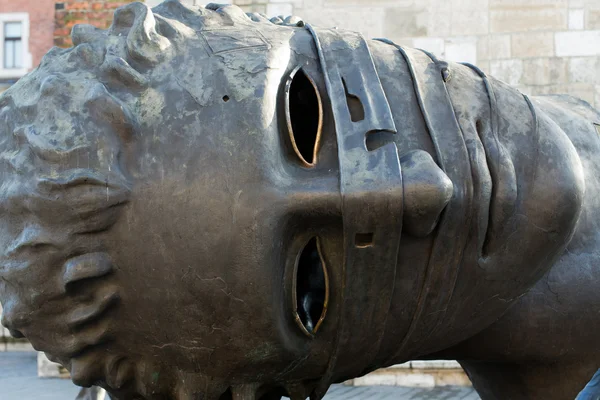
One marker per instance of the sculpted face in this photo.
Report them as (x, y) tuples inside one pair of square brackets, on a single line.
[(214, 206), (172, 221)]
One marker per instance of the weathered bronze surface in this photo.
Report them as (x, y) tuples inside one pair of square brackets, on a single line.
[(202, 204)]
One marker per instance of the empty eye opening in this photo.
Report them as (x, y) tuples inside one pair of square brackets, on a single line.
[(304, 115), (311, 288), (363, 240)]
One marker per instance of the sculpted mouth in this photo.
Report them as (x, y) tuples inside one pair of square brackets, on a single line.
[(482, 183), (495, 175), (86, 193), (91, 323), (103, 302)]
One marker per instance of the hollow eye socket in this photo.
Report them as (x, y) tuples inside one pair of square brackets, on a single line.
[(311, 288), (304, 116)]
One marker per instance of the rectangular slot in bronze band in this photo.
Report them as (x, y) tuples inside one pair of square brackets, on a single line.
[(363, 240)]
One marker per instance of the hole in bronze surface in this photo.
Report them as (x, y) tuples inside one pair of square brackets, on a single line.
[(311, 288), (304, 115), (363, 240), (355, 106), (225, 99), (377, 139), (274, 394), (228, 395)]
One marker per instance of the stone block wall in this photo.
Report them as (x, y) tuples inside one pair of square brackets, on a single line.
[(72, 12), (422, 374), (540, 46)]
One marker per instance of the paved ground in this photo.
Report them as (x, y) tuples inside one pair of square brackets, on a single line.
[(19, 381), (393, 393)]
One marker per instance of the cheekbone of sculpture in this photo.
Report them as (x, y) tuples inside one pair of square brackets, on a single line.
[(199, 204)]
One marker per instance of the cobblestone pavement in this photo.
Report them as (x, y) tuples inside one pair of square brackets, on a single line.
[(19, 381)]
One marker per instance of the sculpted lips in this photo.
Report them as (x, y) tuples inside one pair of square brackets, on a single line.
[(496, 183), (102, 302)]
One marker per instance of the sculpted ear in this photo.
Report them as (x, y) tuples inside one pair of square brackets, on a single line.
[(144, 43)]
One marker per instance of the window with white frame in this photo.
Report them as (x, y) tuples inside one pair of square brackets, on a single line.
[(15, 60), (13, 45)]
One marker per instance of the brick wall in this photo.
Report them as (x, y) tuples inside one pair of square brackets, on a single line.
[(540, 46), (72, 12), (41, 20), (51, 20)]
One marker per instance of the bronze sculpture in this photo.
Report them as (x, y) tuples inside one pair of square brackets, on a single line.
[(204, 204)]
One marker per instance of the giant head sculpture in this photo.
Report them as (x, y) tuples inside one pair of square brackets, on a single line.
[(199, 203)]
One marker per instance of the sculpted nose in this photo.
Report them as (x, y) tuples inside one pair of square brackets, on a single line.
[(427, 191)]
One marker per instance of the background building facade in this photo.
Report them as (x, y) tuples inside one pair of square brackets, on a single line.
[(540, 46), (26, 34), (29, 28)]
